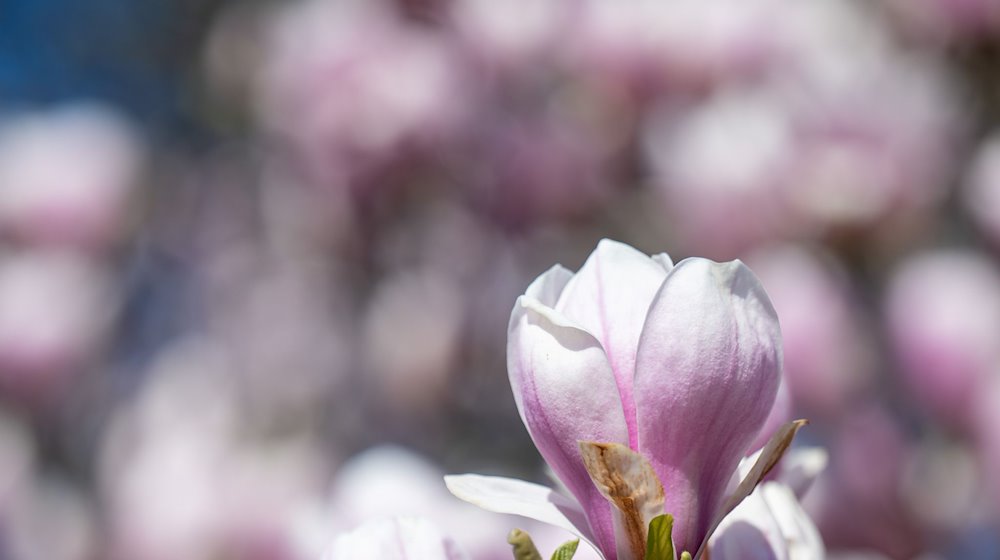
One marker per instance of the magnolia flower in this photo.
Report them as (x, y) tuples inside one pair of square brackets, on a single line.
[(399, 538), (643, 385)]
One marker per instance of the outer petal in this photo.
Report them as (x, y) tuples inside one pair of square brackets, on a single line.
[(517, 497), (610, 297), (780, 413), (565, 392), (799, 534), (400, 538), (750, 532), (707, 371), (547, 288), (798, 469), (801, 467)]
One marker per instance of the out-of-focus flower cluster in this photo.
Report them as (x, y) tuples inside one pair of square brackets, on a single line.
[(295, 329)]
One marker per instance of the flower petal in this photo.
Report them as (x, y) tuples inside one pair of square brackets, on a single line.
[(801, 467), (800, 534), (750, 533), (769, 524), (707, 371), (517, 497), (780, 413), (765, 461), (663, 260), (549, 286), (609, 297), (565, 392)]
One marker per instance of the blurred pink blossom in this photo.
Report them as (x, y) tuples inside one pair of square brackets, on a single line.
[(943, 319), (182, 474), (533, 168), (55, 312), (396, 538), (719, 167), (857, 502), (874, 124), (390, 481), (67, 176), (684, 45), (511, 35), (349, 85)]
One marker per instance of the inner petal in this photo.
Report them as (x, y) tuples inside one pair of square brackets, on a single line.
[(609, 297)]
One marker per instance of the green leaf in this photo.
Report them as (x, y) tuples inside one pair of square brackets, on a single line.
[(685, 555), (566, 551), (524, 549), (660, 543)]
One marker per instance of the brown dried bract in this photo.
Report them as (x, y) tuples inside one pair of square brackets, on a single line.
[(627, 480)]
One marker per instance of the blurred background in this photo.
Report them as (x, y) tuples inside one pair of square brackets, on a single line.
[(257, 257)]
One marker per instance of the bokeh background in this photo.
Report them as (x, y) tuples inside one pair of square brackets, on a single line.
[(257, 257)]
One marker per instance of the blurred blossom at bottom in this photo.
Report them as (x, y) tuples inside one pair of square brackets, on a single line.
[(390, 481), (181, 476)]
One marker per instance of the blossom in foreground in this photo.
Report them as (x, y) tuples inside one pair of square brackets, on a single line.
[(642, 384)]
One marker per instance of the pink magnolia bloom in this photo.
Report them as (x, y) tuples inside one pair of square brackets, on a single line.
[(679, 363)]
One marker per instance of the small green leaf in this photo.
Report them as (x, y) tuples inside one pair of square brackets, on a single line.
[(660, 543), (566, 551), (524, 549), (685, 555)]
